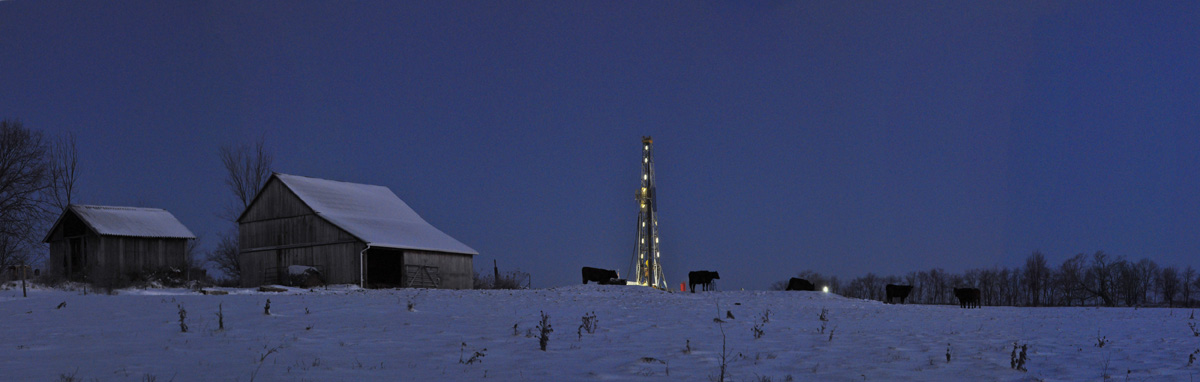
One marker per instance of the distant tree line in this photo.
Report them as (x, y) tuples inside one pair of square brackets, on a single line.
[(1098, 279)]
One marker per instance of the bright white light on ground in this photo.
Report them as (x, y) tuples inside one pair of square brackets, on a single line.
[(825, 289)]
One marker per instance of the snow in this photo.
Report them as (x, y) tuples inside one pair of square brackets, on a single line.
[(299, 270), (131, 221), (347, 333), (371, 213)]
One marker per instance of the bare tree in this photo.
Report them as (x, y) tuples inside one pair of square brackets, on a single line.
[(1128, 283), (225, 257), (247, 169), (1168, 283), (1147, 273), (1071, 279), (63, 165), (1036, 277), (1189, 275), (1196, 284), (1099, 279), (23, 179)]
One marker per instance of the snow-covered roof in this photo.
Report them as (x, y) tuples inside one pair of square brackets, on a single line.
[(130, 221), (371, 213)]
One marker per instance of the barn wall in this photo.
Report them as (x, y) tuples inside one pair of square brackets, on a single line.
[(116, 255), (454, 269), (289, 231), (127, 255), (338, 262), (279, 230)]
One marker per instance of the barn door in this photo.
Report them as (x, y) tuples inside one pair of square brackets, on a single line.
[(78, 258)]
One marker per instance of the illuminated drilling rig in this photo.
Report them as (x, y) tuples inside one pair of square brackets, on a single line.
[(646, 268)]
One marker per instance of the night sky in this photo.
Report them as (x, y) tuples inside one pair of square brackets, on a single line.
[(841, 137)]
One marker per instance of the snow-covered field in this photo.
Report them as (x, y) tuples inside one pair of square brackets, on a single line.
[(348, 334)]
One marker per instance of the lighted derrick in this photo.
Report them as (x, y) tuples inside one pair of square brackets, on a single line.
[(647, 267)]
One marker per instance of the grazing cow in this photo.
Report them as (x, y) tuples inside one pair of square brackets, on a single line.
[(800, 284), (968, 297), (601, 276), (704, 278), (897, 291)]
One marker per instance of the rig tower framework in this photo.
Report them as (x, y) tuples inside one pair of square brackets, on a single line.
[(646, 267)]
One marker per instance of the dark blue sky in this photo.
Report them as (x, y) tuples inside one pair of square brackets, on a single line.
[(842, 137)]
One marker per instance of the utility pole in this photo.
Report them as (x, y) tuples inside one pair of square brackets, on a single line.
[(23, 267)]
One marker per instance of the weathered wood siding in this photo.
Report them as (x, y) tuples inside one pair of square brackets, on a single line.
[(289, 231), (278, 230), (113, 254), (338, 262), (135, 254), (455, 270)]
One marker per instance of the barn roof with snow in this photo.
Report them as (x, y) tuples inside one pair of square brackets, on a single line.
[(371, 213), (128, 221)]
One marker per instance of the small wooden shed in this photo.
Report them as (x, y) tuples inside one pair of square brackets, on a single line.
[(349, 232), (86, 241)]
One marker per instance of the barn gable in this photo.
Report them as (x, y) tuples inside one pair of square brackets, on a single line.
[(277, 217)]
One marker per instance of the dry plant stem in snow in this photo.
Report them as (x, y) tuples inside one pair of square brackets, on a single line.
[(182, 316), (724, 353), (545, 330), (477, 357), (588, 325), (1101, 340), (412, 301), (262, 359), (220, 317), (763, 319), (1017, 361)]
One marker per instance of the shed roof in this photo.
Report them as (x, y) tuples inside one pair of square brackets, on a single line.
[(128, 221), (371, 213)]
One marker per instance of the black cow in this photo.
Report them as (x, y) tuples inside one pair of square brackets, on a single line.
[(704, 278), (601, 276), (897, 291), (968, 297), (800, 284)]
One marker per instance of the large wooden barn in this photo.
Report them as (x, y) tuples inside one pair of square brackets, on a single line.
[(90, 241), (351, 233)]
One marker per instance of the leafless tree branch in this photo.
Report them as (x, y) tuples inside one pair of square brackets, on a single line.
[(24, 177)]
